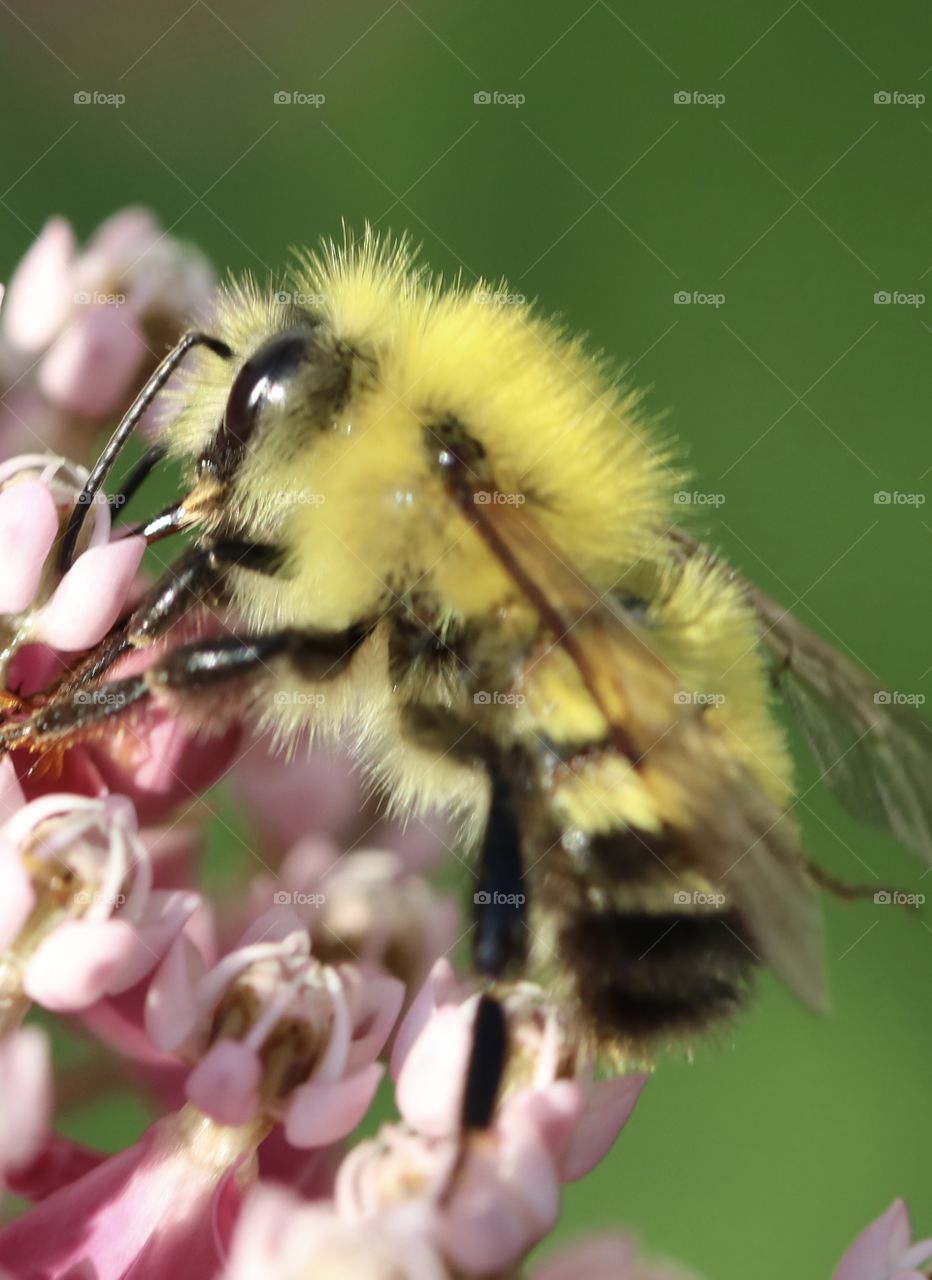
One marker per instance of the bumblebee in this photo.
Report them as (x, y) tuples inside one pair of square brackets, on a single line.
[(445, 532)]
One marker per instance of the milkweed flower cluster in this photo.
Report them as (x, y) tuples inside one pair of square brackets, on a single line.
[(80, 328), (263, 1024)]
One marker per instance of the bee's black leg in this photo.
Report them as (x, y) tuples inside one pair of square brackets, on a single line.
[(200, 667), (488, 1057), (500, 935), (500, 944), (195, 580)]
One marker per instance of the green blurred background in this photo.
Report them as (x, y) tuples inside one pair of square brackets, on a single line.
[(798, 197)]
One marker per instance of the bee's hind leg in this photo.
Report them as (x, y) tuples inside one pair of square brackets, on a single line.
[(499, 945), (846, 892), (500, 936)]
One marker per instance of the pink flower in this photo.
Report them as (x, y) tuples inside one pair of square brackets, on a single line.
[(97, 319), (79, 918), (432, 1048), (483, 1212), (272, 1031), (321, 791), (280, 1237), (77, 610), (163, 1208), (883, 1251), (290, 796), (364, 906), (160, 759)]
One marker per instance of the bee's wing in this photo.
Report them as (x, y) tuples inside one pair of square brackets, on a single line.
[(734, 833), (875, 753)]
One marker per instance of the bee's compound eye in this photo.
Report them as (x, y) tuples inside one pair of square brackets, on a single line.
[(263, 380)]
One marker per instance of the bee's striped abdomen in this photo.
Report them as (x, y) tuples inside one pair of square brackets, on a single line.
[(643, 976)]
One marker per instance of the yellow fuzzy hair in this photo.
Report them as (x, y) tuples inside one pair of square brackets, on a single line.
[(375, 524)]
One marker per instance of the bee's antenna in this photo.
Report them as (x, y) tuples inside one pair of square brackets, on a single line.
[(125, 430)]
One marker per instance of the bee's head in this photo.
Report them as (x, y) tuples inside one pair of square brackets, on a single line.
[(292, 384)]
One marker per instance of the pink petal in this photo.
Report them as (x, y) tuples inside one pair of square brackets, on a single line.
[(38, 299), (382, 999), (323, 1113), (94, 363), (77, 963), (26, 1095), (28, 527), (18, 897), (151, 1211), (608, 1105), (429, 1086), (873, 1253), (173, 850), (308, 861), (225, 1083), (274, 925), (165, 915), (504, 1204), (58, 1162), (440, 987), (554, 1114), (172, 1008), (125, 233), (268, 1212), (165, 764), (89, 598), (11, 793)]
